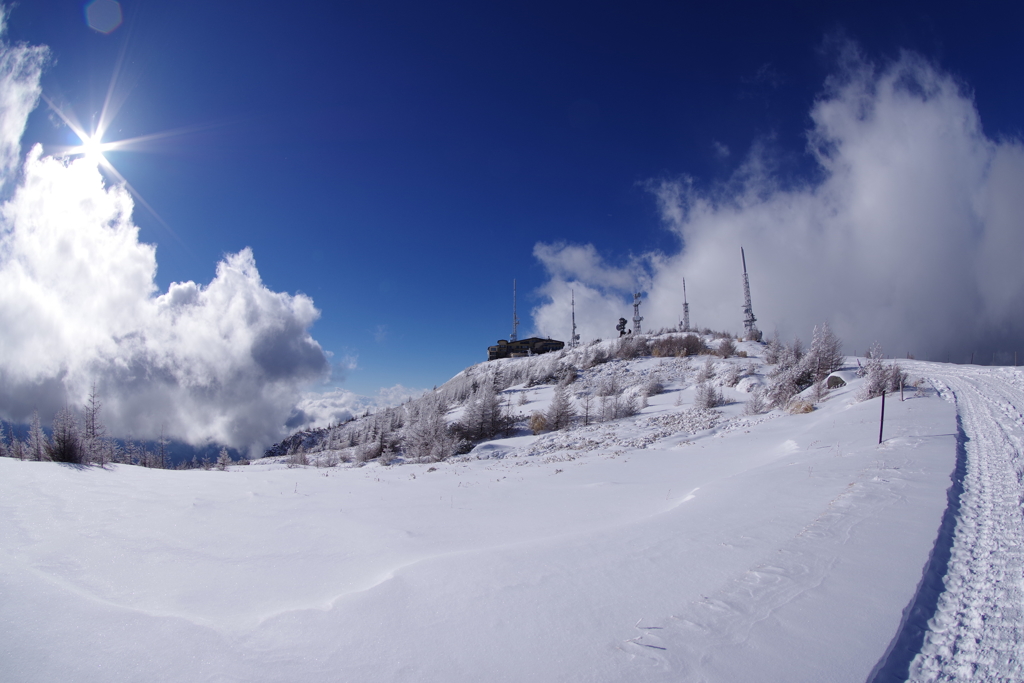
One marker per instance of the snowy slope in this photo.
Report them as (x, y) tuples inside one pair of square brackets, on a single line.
[(771, 548)]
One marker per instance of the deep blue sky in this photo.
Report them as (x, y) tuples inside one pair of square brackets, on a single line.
[(398, 161)]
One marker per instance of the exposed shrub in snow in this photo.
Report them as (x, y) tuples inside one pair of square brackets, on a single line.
[(653, 386), (798, 407), (677, 345), (707, 396), (538, 423), (387, 456), (732, 375), (632, 346), (727, 348)]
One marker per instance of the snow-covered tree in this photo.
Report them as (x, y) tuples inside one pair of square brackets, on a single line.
[(427, 437), (66, 444), (757, 403), (825, 355), (707, 396), (37, 445), (561, 411), (95, 447), (878, 376), (774, 349), (223, 459)]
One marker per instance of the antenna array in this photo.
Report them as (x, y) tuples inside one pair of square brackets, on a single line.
[(515, 318), (753, 334), (574, 339), (636, 313), (685, 324)]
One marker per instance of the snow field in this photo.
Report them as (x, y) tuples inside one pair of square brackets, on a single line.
[(774, 547)]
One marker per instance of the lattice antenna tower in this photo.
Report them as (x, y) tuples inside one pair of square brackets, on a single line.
[(685, 324), (515, 318), (574, 340), (749, 321), (636, 313)]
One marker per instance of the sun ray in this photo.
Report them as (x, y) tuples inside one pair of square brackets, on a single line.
[(92, 147)]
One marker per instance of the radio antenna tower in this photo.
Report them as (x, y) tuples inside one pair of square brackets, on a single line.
[(574, 340), (753, 334), (636, 313), (515, 318), (686, 310)]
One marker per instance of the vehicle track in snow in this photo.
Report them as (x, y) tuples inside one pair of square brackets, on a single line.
[(976, 629)]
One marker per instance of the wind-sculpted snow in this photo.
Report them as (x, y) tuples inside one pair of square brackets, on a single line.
[(672, 545), (977, 631)]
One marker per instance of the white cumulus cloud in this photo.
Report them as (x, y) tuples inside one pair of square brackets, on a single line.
[(913, 235), (223, 362)]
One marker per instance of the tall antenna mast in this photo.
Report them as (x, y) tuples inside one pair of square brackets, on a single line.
[(753, 334), (515, 318), (686, 310), (574, 340), (636, 313)]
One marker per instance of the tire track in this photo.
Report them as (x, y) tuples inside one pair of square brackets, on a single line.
[(977, 630)]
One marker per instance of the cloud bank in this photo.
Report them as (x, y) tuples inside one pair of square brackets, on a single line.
[(225, 362), (912, 236)]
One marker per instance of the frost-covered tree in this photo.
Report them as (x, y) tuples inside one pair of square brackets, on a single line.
[(825, 355), (66, 444), (707, 396), (223, 459), (37, 445), (427, 436), (757, 403), (561, 411), (586, 400), (706, 372), (95, 447), (774, 349), (18, 448), (878, 376), (483, 417)]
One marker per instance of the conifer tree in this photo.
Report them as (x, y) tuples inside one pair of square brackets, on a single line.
[(66, 444), (561, 411), (37, 446)]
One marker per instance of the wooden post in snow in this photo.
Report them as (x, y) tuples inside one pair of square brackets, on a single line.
[(881, 422)]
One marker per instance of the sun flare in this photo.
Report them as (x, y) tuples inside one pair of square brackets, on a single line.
[(92, 148)]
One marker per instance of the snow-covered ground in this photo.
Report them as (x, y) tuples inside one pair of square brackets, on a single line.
[(672, 546)]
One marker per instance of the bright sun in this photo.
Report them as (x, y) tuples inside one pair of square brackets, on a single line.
[(92, 148)]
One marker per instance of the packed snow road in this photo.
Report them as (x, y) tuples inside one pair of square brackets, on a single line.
[(976, 631)]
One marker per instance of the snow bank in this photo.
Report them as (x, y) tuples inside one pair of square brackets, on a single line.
[(773, 547)]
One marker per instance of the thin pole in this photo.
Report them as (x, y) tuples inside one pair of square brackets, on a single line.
[(901, 389), (881, 423)]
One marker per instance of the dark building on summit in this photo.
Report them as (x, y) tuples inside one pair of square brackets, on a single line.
[(523, 347)]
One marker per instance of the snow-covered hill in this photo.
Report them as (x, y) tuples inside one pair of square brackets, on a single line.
[(671, 545)]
